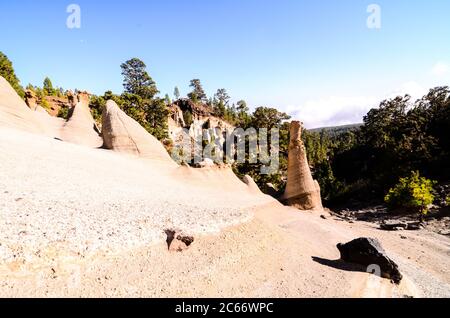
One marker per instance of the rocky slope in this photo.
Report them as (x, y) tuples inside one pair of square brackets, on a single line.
[(201, 118)]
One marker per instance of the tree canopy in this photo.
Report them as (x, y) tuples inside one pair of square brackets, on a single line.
[(176, 93), (396, 138), (48, 87), (197, 94), (139, 99), (266, 117), (136, 79), (8, 73)]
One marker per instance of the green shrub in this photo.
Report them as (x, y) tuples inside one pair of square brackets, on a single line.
[(44, 103), (187, 116), (7, 72), (414, 192), (96, 105), (63, 113), (447, 200)]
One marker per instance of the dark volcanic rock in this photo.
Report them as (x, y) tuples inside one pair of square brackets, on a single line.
[(368, 251), (414, 226), (395, 226)]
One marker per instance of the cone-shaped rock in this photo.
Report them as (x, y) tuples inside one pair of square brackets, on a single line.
[(14, 113), (301, 191), (123, 134), (80, 128), (252, 186)]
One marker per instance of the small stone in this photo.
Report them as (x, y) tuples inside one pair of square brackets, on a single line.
[(414, 226), (393, 226), (177, 241)]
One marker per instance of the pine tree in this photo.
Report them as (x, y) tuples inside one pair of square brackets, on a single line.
[(176, 93), (222, 96), (7, 72), (136, 79), (197, 94), (48, 87), (157, 118), (139, 101)]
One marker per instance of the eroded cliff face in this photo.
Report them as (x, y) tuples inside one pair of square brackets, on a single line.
[(302, 191), (199, 120), (52, 104), (184, 115), (31, 100)]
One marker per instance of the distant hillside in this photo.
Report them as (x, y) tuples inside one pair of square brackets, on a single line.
[(336, 129)]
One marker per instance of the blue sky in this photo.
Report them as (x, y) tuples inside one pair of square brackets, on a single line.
[(317, 60)]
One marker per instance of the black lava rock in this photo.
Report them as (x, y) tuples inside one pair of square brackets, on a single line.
[(368, 251)]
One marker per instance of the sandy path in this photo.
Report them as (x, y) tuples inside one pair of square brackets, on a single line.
[(254, 259), (84, 222), (423, 257)]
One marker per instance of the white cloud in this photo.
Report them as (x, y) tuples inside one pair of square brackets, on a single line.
[(413, 89), (333, 110), (344, 110), (440, 69)]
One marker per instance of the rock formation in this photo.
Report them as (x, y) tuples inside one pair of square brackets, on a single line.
[(41, 110), (52, 124), (400, 226), (302, 191), (177, 241), (71, 98), (83, 97), (14, 113), (252, 186), (207, 163), (123, 134), (81, 128), (30, 99), (271, 190), (367, 252), (54, 103), (201, 118)]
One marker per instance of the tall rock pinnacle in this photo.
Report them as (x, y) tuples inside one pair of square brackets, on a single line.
[(302, 191)]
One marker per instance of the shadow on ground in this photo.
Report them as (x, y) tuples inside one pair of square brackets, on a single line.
[(340, 264)]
